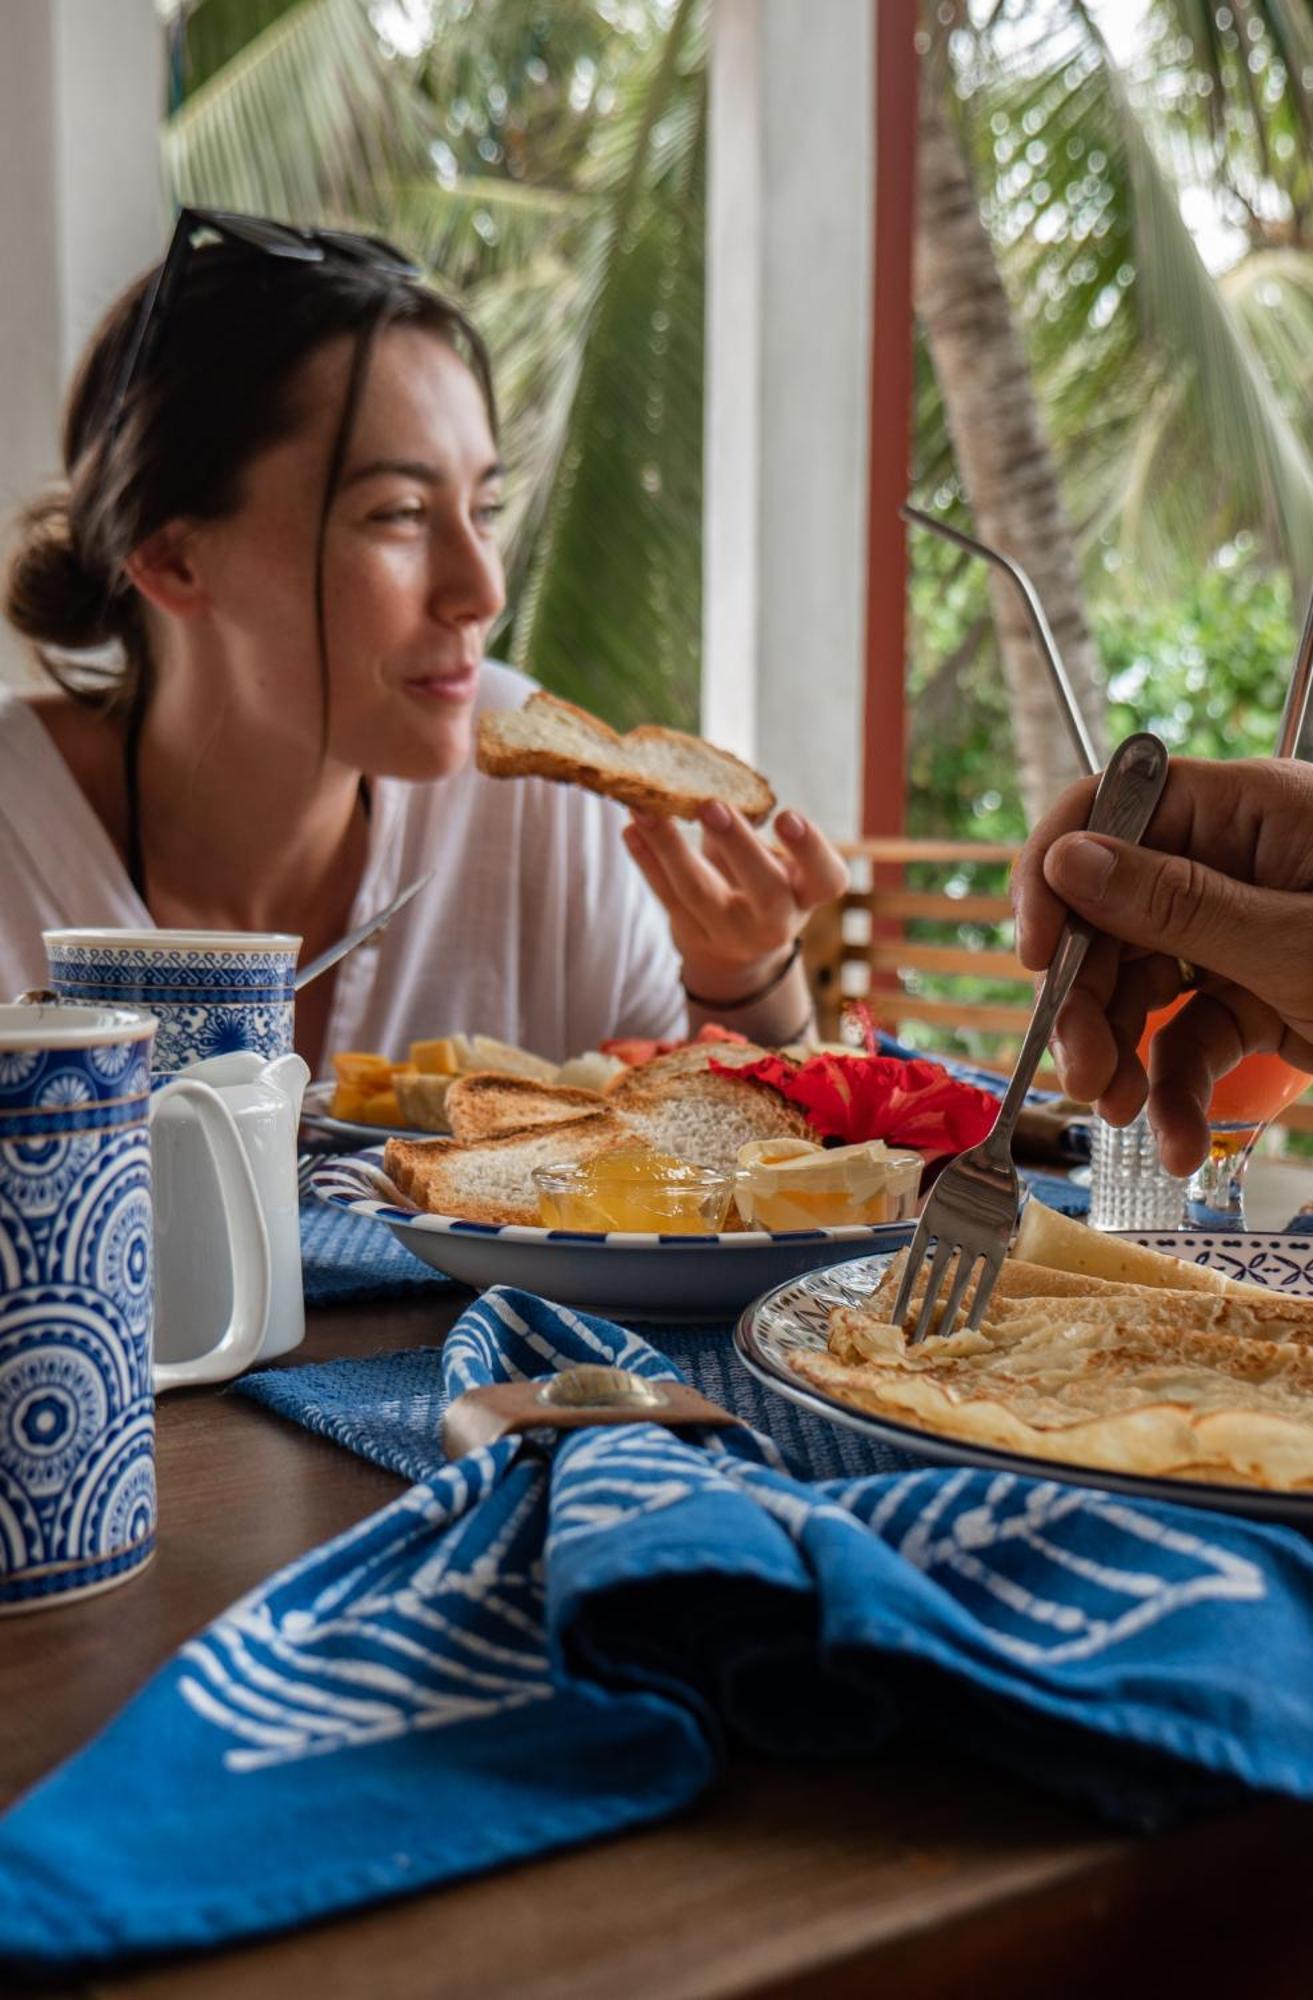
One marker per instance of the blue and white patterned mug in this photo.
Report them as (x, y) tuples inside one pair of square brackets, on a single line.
[(77, 1426), (212, 992)]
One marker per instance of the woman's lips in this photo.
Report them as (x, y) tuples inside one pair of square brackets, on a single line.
[(457, 687)]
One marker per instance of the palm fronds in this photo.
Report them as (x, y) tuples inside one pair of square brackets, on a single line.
[(611, 610), (318, 71)]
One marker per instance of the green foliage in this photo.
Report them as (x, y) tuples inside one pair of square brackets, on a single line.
[(1208, 672), (1206, 669), (612, 610), (212, 35)]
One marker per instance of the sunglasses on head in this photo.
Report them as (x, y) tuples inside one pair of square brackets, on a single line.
[(257, 234)]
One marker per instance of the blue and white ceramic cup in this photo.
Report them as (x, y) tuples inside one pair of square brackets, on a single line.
[(212, 992), (77, 1428)]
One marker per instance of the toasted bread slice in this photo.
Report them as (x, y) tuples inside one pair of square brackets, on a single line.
[(422, 1101), (462, 1055), (491, 1180), (690, 1061), (485, 1105), (706, 1118), (657, 770)]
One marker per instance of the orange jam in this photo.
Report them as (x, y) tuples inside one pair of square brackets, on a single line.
[(633, 1190), (791, 1184)]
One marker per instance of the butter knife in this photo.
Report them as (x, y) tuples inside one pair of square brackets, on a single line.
[(361, 934)]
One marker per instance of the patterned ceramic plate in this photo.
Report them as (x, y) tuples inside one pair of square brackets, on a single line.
[(316, 1114), (795, 1316), (625, 1274)]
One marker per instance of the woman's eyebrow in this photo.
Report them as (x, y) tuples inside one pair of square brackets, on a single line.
[(415, 468)]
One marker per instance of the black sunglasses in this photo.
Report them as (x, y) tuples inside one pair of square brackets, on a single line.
[(248, 232)]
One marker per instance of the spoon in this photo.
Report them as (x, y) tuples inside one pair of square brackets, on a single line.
[(361, 934)]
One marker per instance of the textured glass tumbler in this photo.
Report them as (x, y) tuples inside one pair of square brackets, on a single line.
[(1129, 1186)]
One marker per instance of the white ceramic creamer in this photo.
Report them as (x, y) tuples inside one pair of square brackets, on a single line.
[(194, 1262)]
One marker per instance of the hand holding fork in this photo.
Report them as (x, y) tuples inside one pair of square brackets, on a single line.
[(973, 1209)]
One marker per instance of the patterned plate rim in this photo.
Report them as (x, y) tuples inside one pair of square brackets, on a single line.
[(313, 1113), (753, 1349), (342, 1184)]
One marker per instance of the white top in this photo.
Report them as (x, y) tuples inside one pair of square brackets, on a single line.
[(536, 928)]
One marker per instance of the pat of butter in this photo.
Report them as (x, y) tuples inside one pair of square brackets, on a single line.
[(792, 1184)]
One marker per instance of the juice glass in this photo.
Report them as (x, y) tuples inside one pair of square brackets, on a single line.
[(1243, 1104)]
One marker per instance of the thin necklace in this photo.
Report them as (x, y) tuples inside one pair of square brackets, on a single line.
[(135, 856)]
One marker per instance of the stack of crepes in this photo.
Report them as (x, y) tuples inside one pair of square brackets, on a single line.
[(1094, 1352)]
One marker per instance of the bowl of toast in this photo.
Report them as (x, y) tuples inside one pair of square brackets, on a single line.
[(470, 1202)]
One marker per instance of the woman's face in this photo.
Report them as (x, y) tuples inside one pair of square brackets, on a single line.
[(413, 576)]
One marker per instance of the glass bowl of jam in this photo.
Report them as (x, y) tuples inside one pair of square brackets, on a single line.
[(628, 1189)]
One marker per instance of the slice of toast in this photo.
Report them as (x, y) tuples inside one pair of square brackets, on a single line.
[(706, 1118), (690, 1061), (654, 769), (485, 1105), (491, 1180), (422, 1101)]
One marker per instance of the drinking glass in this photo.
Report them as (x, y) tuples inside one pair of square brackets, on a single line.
[(1130, 1188), (1243, 1105)]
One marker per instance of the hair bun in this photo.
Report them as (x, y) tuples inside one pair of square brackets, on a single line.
[(50, 594)]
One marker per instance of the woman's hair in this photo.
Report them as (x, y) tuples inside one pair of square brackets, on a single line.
[(220, 387)]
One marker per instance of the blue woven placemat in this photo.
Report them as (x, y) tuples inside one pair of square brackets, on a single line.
[(388, 1407), (351, 1260)]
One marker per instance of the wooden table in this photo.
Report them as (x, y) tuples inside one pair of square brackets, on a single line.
[(909, 1876)]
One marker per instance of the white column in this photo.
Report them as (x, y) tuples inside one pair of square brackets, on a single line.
[(788, 355), (81, 210)]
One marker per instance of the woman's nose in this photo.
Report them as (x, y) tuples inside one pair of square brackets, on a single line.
[(468, 583)]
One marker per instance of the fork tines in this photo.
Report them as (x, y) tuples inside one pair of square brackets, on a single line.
[(944, 1253)]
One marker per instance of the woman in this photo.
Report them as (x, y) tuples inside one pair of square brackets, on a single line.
[(280, 512), (1220, 899)]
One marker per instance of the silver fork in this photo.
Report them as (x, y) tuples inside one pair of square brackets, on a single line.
[(973, 1210)]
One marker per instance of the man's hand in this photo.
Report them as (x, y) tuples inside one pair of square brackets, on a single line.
[(1221, 889)]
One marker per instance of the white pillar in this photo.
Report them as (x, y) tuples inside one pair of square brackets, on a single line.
[(81, 210), (788, 355)]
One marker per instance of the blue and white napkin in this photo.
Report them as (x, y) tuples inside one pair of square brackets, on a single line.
[(528, 1650)]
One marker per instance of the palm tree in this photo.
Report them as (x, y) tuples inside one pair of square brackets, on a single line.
[(992, 414), (1169, 396)]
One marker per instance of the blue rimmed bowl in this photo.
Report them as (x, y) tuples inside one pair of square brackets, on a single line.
[(624, 1274)]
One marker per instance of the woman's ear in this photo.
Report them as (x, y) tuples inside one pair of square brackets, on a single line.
[(164, 570)]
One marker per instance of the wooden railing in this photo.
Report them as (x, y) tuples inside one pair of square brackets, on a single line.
[(871, 945)]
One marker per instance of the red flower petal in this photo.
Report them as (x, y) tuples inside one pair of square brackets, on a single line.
[(854, 1098)]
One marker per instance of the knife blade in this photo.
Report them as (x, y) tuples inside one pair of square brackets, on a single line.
[(361, 934)]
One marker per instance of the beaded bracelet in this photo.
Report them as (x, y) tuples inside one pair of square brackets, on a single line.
[(749, 999)]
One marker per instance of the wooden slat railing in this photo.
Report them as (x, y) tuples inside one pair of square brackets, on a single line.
[(861, 948)]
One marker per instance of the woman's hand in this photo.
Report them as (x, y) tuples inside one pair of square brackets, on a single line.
[(737, 907), (1223, 882)]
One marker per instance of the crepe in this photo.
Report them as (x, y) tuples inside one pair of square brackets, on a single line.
[(1128, 1378)]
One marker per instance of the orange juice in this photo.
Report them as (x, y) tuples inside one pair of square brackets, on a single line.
[(1248, 1096)]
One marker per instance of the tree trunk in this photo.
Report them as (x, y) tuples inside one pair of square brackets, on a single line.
[(1003, 456)]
